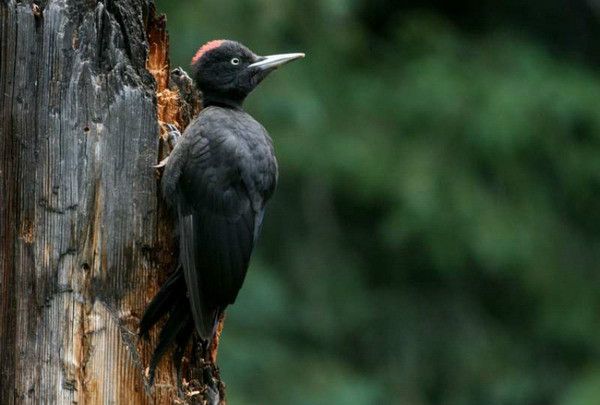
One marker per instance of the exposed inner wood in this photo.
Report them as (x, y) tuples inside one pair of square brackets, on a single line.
[(214, 348), (177, 103), (168, 104)]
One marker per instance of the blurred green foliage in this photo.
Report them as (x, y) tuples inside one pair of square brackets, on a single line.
[(435, 237)]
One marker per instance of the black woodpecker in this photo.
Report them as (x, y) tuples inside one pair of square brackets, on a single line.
[(218, 178)]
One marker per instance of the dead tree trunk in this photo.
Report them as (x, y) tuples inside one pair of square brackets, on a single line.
[(84, 242)]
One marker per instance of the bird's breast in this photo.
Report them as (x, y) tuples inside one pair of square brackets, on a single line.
[(245, 147)]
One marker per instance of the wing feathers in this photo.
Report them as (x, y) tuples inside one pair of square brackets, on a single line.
[(223, 249), (217, 218), (204, 312)]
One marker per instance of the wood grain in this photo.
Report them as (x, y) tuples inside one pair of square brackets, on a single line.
[(82, 244)]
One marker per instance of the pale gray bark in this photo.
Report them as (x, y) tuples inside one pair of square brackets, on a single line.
[(82, 243)]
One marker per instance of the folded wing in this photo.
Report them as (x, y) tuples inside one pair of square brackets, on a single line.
[(216, 223)]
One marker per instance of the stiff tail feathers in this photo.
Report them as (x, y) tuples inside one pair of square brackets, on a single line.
[(179, 317), (177, 331), (166, 298)]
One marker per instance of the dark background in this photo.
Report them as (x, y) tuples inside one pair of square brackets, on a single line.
[(435, 238)]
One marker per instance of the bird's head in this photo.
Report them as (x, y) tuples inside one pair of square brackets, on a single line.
[(226, 71)]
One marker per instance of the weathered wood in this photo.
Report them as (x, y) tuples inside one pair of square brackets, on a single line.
[(84, 241)]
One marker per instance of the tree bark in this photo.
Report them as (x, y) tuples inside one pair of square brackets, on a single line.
[(84, 239)]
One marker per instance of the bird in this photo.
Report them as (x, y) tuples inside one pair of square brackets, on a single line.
[(217, 181)]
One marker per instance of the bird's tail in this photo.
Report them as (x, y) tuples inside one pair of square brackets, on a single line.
[(171, 299)]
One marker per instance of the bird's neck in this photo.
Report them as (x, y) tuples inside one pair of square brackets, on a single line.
[(220, 101)]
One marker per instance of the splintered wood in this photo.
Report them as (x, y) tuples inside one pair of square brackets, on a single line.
[(214, 347), (168, 104)]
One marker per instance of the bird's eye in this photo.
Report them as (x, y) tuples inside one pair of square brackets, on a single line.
[(235, 61)]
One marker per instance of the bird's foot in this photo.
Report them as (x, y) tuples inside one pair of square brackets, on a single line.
[(162, 163), (173, 135)]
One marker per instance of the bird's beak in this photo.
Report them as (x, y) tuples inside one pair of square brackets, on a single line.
[(274, 61)]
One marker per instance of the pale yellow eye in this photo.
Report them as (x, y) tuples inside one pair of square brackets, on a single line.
[(235, 61)]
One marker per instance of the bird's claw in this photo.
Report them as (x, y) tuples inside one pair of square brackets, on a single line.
[(173, 134), (162, 163)]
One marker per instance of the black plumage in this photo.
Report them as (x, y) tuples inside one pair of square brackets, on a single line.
[(218, 178)]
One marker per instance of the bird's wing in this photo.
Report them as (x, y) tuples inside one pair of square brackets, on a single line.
[(216, 222)]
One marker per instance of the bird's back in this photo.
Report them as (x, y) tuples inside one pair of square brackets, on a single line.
[(219, 177)]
